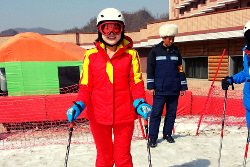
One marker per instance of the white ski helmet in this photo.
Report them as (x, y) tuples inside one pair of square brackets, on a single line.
[(168, 30), (246, 27), (110, 14)]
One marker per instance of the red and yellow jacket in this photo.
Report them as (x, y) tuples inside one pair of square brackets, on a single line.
[(108, 87)]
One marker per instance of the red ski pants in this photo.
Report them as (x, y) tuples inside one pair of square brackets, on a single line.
[(113, 151)]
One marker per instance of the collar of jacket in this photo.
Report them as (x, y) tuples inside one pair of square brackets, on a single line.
[(170, 48), (126, 43)]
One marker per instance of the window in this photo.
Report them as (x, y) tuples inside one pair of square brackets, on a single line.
[(196, 67), (3, 83), (201, 1), (194, 5), (236, 64), (182, 10), (233, 6), (68, 79)]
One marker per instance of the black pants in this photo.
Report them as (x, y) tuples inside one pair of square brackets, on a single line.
[(155, 118)]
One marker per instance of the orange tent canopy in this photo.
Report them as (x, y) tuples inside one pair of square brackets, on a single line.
[(31, 46)]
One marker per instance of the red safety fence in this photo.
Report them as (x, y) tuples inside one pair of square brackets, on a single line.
[(53, 107), (184, 103), (234, 106), (41, 120)]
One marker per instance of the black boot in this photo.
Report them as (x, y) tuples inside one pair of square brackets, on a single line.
[(169, 138), (152, 143)]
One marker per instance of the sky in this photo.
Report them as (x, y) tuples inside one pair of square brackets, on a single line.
[(66, 14)]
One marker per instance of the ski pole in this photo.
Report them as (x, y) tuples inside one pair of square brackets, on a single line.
[(246, 148), (222, 126), (71, 125), (141, 126), (210, 92), (148, 147)]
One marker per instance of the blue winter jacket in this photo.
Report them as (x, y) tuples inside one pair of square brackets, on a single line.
[(244, 76), (164, 70)]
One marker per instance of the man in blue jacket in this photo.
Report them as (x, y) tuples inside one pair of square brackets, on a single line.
[(166, 80), (244, 75)]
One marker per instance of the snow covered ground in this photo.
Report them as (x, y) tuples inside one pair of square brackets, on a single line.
[(189, 150)]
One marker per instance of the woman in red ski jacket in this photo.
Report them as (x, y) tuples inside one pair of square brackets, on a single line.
[(112, 88)]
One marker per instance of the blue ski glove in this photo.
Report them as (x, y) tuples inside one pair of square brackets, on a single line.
[(74, 111), (142, 108)]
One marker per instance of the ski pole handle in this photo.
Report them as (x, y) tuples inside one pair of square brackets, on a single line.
[(73, 114), (71, 125), (146, 127)]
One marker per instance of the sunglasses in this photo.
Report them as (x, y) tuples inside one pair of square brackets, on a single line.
[(107, 27)]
